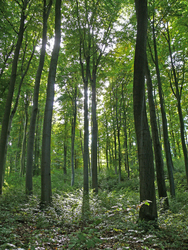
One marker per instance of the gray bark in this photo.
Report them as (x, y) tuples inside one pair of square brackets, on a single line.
[(156, 143), (73, 136), (46, 192), (144, 143), (31, 138), (164, 122)]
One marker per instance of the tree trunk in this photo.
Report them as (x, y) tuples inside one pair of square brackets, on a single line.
[(125, 135), (107, 141), (178, 97), (144, 143), (118, 123), (22, 167), (17, 100), (156, 143), (46, 192), (37, 152), (65, 158), (73, 137), (31, 138), (94, 136), (169, 162), (5, 122)]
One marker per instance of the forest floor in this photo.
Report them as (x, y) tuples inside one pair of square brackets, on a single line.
[(112, 219)]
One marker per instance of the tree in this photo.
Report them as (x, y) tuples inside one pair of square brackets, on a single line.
[(4, 129), (156, 143), (164, 119), (46, 193), (144, 143), (178, 94), (30, 146)]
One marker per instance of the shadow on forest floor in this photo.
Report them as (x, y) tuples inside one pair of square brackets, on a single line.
[(112, 223)]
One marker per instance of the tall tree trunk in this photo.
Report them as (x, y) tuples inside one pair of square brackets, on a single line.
[(118, 123), (5, 122), (22, 167), (65, 158), (125, 135), (46, 192), (73, 137), (94, 135), (30, 145), (37, 152), (156, 143), (18, 151), (144, 143), (107, 141), (17, 99), (169, 162), (114, 154), (178, 97)]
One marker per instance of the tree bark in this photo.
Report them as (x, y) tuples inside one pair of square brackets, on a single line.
[(118, 124), (178, 97), (5, 122), (31, 138), (156, 143), (73, 136), (164, 122), (94, 135), (46, 192), (22, 167), (125, 135), (144, 143)]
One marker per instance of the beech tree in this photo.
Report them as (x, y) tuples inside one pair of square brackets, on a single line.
[(46, 192), (30, 146), (4, 129), (144, 143)]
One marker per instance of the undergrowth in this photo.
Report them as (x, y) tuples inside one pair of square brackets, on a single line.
[(112, 222)]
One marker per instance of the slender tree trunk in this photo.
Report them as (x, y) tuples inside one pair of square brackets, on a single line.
[(22, 167), (144, 143), (107, 139), (17, 100), (73, 137), (164, 122), (94, 136), (115, 149), (82, 150), (118, 123), (114, 154), (65, 158), (18, 151), (31, 138), (172, 134), (37, 144), (46, 192), (5, 122), (125, 135), (156, 143), (178, 97)]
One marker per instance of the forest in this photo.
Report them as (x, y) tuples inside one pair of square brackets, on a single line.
[(93, 121)]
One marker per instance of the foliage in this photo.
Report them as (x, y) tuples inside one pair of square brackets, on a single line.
[(112, 224)]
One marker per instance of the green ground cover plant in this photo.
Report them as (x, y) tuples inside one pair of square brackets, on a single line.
[(113, 216)]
